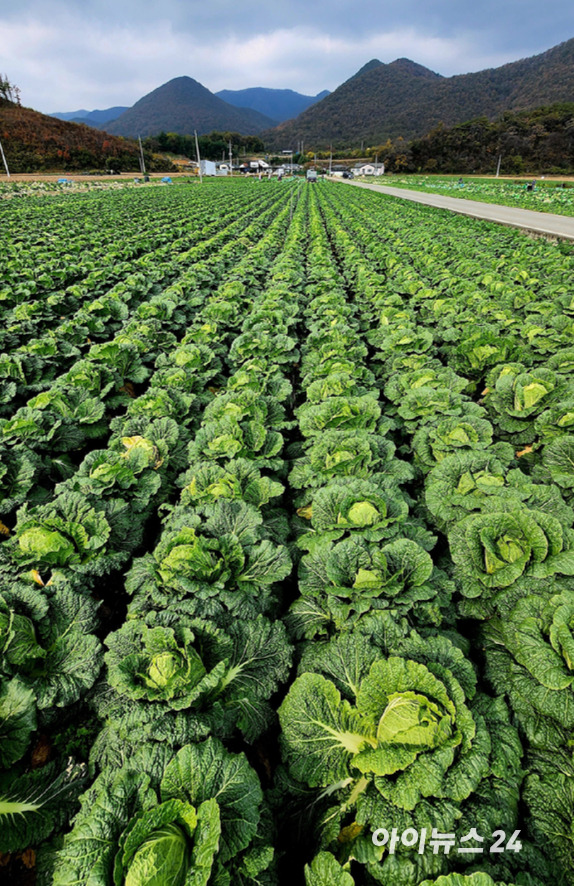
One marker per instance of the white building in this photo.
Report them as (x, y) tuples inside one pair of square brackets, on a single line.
[(369, 169), (208, 167)]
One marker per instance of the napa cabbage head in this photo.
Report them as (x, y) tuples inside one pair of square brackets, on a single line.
[(515, 396), (68, 531), (206, 482), (342, 582), (186, 554), (157, 848), (395, 740), (187, 819), (342, 454), (468, 481), (391, 721), (495, 551), (155, 663), (433, 443), (530, 657), (357, 507)]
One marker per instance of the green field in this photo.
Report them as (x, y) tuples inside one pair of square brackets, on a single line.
[(547, 196), (287, 556)]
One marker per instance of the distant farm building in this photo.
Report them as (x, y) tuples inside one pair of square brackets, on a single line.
[(369, 169), (208, 167), (254, 166)]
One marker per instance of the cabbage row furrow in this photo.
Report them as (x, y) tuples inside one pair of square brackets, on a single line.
[(307, 617)]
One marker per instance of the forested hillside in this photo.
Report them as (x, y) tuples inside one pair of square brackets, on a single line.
[(538, 141), (404, 99), (35, 142)]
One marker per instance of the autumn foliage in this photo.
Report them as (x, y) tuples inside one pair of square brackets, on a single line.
[(34, 142)]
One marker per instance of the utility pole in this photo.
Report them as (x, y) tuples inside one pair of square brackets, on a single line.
[(498, 167), (198, 157), (4, 160), (291, 186), (230, 159), (142, 161), (331, 161)]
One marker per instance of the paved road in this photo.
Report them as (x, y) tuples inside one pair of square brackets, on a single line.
[(538, 222)]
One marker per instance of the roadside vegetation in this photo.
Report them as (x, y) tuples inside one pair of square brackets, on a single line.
[(555, 196)]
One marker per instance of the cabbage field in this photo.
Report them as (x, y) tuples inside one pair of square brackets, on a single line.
[(546, 196), (287, 545)]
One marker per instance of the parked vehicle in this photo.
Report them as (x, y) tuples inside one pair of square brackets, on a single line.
[(311, 175)]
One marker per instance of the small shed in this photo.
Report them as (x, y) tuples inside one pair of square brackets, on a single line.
[(208, 167)]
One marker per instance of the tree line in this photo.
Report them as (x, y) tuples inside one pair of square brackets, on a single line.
[(540, 140), (213, 146)]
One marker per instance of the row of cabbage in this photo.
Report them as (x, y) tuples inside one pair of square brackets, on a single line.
[(60, 581), (78, 378), (201, 653), (493, 460), (385, 726)]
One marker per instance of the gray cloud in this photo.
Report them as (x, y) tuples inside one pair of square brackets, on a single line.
[(66, 56)]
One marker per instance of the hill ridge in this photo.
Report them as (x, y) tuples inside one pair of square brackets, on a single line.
[(183, 105), (404, 99), (279, 104)]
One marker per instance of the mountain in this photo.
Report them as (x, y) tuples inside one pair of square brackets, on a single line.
[(405, 99), (181, 106), (279, 104), (90, 118), (35, 142), (70, 115), (374, 63)]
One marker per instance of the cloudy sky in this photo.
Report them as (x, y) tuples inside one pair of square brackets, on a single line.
[(71, 54)]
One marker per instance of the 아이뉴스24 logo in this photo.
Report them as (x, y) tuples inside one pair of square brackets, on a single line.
[(470, 843)]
